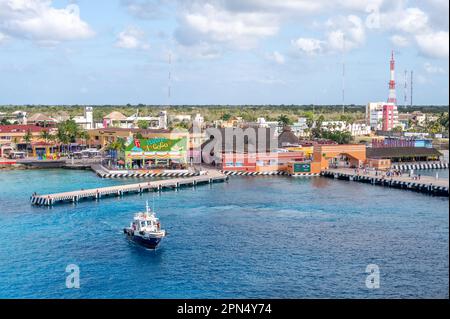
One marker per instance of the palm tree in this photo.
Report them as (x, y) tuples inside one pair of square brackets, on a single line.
[(283, 121), (45, 135), (27, 138), (84, 135), (68, 131), (117, 146), (443, 120)]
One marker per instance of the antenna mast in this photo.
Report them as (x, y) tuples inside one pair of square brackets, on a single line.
[(392, 94), (343, 73), (169, 79), (411, 97), (405, 89)]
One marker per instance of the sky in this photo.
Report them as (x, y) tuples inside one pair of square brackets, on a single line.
[(233, 52)]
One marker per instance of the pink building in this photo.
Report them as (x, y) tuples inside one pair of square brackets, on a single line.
[(390, 116)]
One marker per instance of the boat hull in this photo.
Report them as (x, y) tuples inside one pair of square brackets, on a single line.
[(150, 242)]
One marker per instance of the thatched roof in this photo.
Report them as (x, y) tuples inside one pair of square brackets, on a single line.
[(287, 138), (116, 116), (39, 117)]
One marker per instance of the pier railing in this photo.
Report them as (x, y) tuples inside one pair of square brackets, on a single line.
[(120, 190), (426, 184)]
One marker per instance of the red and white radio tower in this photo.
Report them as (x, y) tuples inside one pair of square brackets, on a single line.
[(392, 95)]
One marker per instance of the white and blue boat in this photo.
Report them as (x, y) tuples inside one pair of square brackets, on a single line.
[(145, 229)]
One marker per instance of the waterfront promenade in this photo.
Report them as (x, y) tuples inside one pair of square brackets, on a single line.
[(426, 184), (210, 176)]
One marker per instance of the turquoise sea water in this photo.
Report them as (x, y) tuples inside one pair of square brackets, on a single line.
[(273, 237)]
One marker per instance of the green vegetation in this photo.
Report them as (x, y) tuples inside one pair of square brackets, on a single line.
[(27, 138), (440, 125), (68, 131), (46, 136), (284, 120), (338, 136), (215, 112), (118, 145), (142, 124)]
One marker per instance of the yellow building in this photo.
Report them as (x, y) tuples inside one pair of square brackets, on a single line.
[(307, 150)]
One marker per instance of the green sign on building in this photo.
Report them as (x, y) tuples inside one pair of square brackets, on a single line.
[(302, 167)]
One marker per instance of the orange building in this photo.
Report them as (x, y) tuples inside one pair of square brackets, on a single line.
[(259, 162), (347, 155)]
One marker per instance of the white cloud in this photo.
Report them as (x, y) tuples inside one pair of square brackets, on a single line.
[(3, 37), (132, 38), (277, 57), (308, 46), (434, 44), (422, 79), (145, 9), (202, 51), (208, 23), (218, 25), (347, 33), (399, 40), (415, 23), (344, 34), (304, 6), (38, 21), (411, 20), (432, 69)]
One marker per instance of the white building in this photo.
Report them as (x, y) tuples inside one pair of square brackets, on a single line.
[(262, 123), (374, 115), (180, 118), (117, 119), (355, 129), (87, 120), (20, 117), (300, 127), (133, 120), (382, 115), (198, 120), (163, 120)]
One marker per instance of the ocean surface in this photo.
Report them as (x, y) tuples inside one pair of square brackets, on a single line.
[(251, 237)]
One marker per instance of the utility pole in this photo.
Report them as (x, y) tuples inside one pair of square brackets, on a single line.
[(411, 97), (343, 74), (169, 80), (405, 90)]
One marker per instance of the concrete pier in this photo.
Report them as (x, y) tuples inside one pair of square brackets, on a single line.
[(426, 184), (103, 172), (121, 190)]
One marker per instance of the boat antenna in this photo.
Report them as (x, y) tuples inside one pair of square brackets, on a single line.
[(153, 202)]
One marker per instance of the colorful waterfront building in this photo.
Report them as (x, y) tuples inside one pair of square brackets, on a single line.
[(105, 136), (158, 152), (343, 155), (260, 162)]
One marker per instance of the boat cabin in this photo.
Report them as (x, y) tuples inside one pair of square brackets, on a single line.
[(146, 222)]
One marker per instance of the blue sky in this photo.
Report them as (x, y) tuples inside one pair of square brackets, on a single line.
[(223, 51)]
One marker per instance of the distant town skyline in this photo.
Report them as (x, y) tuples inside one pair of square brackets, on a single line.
[(221, 51)]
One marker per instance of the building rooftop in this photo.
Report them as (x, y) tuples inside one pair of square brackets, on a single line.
[(39, 117), (287, 138), (395, 152), (21, 128), (112, 130), (116, 116)]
